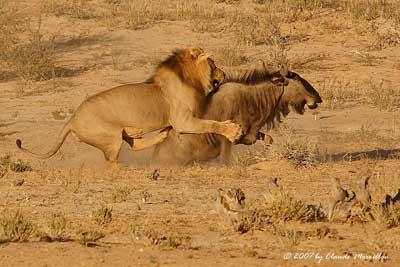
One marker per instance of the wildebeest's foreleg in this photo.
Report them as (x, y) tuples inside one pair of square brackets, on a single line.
[(226, 151)]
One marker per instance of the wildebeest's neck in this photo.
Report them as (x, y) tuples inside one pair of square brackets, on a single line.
[(252, 106), (266, 98)]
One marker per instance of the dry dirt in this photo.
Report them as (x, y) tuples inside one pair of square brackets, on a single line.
[(356, 131)]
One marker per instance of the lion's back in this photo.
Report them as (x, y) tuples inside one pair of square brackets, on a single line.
[(139, 104)]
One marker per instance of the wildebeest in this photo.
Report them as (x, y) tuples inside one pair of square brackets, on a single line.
[(251, 106)]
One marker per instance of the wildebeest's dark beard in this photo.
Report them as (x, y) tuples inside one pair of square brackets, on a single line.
[(299, 107), (281, 112)]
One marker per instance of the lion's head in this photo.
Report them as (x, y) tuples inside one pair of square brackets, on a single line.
[(195, 68), (298, 93)]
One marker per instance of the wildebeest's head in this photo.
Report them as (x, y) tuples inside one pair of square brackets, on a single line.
[(298, 93)]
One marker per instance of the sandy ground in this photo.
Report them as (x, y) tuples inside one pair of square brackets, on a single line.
[(355, 139)]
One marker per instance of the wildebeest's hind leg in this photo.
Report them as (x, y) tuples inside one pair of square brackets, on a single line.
[(226, 150)]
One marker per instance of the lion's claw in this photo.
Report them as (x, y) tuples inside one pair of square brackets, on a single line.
[(234, 131)]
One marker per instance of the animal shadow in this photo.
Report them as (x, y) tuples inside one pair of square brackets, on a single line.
[(380, 154)]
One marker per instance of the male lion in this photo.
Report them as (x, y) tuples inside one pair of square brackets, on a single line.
[(252, 106), (175, 96)]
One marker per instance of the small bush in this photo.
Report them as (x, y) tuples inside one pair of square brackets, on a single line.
[(301, 153), (256, 30), (368, 10), (231, 56), (388, 217), (137, 14), (120, 194), (252, 219), (57, 226), (103, 215), (20, 166), (291, 237), (88, 238), (285, 207), (176, 241), (6, 164), (383, 96), (371, 10), (337, 93), (78, 9), (386, 39), (15, 227), (32, 59)]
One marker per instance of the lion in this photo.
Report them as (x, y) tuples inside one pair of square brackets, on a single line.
[(176, 96), (252, 106)]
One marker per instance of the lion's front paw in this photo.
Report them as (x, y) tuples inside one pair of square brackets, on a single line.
[(163, 134), (234, 131)]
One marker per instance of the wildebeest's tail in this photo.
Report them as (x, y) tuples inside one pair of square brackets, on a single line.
[(60, 140)]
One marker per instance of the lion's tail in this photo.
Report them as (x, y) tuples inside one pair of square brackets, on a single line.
[(60, 140)]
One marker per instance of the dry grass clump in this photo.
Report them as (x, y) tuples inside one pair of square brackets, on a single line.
[(277, 57), (386, 216), (253, 219), (177, 241), (278, 206), (25, 50), (103, 215), (336, 93), (56, 229), (10, 24), (136, 14), (373, 9), (249, 156), (120, 194), (295, 10), (255, 29), (284, 207), (15, 227), (155, 237), (383, 96), (33, 60), (291, 237), (302, 153), (388, 38), (6, 165), (78, 9), (88, 237)]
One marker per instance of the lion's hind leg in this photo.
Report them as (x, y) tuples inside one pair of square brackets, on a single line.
[(109, 142), (111, 145)]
